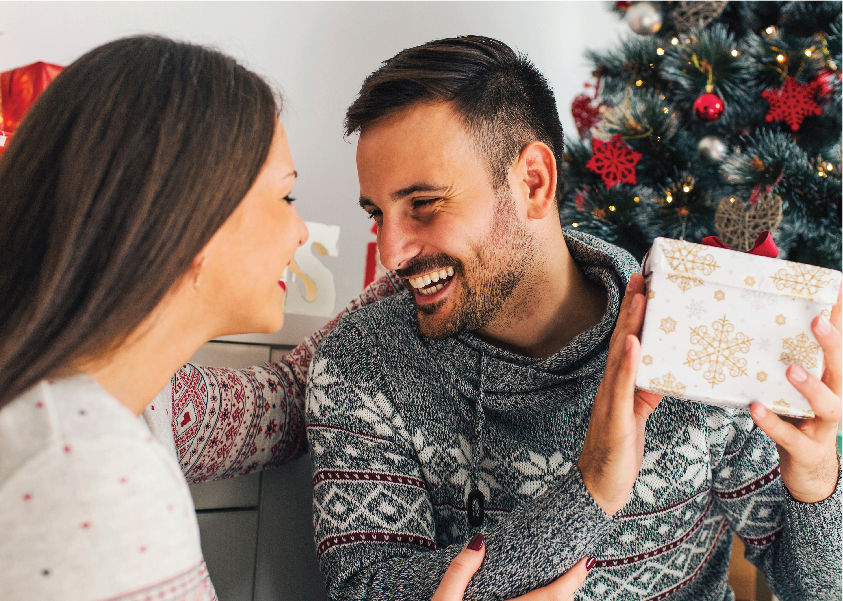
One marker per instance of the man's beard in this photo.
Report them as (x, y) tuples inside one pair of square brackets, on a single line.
[(501, 260)]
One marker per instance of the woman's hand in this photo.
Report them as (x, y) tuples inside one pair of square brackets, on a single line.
[(464, 565), (808, 447), (614, 443)]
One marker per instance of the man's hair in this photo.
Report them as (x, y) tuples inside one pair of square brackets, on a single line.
[(115, 180), (501, 97)]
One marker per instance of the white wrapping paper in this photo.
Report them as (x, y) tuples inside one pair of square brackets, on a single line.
[(722, 326)]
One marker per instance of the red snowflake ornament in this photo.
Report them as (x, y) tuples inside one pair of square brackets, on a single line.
[(614, 161), (792, 103)]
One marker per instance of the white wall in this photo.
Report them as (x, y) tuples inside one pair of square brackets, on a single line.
[(318, 53)]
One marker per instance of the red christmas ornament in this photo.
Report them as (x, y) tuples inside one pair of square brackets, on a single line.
[(585, 114), (709, 107), (614, 161), (623, 4), (579, 200), (792, 103), (824, 84)]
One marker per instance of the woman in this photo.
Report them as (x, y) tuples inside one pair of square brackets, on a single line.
[(146, 209)]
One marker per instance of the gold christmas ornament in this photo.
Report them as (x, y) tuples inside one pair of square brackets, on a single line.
[(644, 18), (739, 224)]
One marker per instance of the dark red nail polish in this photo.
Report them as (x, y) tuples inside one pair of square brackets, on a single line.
[(590, 563), (476, 542)]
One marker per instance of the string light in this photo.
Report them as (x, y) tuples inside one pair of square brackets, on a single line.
[(575, 224), (781, 58), (735, 52), (666, 110), (732, 199), (770, 30), (686, 188), (669, 199), (660, 51), (829, 166), (612, 208), (639, 83), (636, 199), (808, 53), (675, 41)]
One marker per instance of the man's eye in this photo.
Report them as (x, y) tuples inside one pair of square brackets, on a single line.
[(420, 203), (289, 198), (374, 214)]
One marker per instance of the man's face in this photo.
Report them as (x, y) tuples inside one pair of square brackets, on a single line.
[(461, 246)]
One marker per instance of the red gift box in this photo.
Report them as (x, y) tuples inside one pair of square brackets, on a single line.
[(18, 90)]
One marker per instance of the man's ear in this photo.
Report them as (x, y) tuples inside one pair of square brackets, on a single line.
[(537, 169)]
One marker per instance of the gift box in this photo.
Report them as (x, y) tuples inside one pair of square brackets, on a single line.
[(722, 326), (18, 90)]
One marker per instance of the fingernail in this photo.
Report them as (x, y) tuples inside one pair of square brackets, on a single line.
[(476, 542), (590, 563), (636, 302), (823, 326), (797, 374)]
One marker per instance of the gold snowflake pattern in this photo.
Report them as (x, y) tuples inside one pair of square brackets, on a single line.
[(647, 360), (668, 385), (720, 351), (782, 406), (781, 319), (802, 280), (667, 325), (749, 281), (761, 376), (719, 295), (651, 294), (688, 262), (801, 350)]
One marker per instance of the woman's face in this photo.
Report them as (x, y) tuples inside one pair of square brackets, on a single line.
[(246, 258)]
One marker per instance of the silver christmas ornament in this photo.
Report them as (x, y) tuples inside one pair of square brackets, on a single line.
[(644, 18), (712, 148)]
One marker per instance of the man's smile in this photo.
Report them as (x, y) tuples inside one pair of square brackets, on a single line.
[(431, 282)]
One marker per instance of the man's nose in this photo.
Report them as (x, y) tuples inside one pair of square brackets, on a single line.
[(397, 243)]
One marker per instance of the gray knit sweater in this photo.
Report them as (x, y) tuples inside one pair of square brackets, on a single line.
[(402, 429)]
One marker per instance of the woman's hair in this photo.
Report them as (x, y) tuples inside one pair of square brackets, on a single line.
[(119, 174)]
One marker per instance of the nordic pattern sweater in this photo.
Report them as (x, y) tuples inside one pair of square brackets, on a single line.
[(402, 428)]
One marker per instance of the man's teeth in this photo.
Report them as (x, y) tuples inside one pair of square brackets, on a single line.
[(423, 282)]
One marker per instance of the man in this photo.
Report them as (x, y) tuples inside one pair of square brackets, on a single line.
[(494, 397)]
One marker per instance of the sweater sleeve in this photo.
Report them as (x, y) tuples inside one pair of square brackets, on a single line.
[(796, 545), (374, 520), (224, 422)]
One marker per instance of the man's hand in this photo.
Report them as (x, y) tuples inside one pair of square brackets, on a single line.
[(808, 447), (464, 565), (614, 444)]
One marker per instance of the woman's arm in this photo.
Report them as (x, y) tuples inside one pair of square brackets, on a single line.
[(221, 422)]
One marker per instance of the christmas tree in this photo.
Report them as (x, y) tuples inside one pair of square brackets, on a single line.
[(713, 118)]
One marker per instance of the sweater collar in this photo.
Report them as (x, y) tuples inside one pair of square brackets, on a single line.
[(475, 365)]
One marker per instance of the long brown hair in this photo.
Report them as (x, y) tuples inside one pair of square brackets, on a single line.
[(117, 177)]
